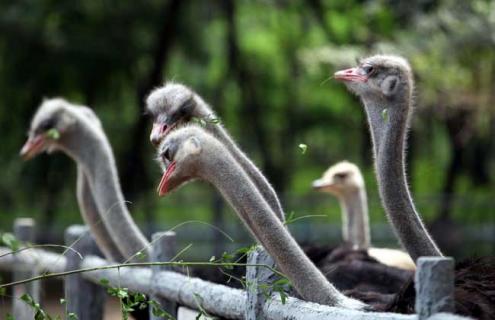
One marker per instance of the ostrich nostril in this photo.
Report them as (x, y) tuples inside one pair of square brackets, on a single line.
[(155, 140)]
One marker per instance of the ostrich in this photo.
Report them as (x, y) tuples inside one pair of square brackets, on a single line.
[(345, 181), (174, 104), (93, 218), (385, 86), (75, 130), (191, 152)]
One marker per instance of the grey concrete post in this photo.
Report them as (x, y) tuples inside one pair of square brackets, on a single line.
[(24, 232), (255, 277), (164, 248), (434, 282), (83, 298)]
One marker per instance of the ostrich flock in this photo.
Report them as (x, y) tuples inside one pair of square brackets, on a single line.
[(352, 275)]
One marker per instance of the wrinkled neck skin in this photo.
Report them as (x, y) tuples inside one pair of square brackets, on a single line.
[(355, 226), (259, 180), (228, 177), (92, 218), (89, 147), (389, 138)]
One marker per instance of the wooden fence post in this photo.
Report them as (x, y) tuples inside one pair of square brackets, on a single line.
[(434, 282), (24, 232), (163, 249), (255, 277), (83, 298)]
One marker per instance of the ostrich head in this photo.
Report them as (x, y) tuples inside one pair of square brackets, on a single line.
[(340, 179), (179, 153), (380, 79), (171, 105), (385, 85), (55, 120)]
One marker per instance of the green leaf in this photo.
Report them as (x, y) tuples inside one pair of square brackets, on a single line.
[(303, 147), (283, 297), (290, 217), (11, 241), (53, 134), (72, 316), (246, 250), (27, 299), (141, 255), (63, 301), (227, 257), (212, 258), (139, 297), (122, 293), (385, 115), (157, 310), (213, 120), (104, 282), (282, 282)]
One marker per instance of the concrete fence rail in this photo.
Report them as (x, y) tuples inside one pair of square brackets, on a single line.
[(175, 288)]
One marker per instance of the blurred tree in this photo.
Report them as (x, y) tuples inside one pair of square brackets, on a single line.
[(264, 66)]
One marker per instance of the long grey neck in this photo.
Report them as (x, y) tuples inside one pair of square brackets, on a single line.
[(355, 226), (91, 216), (389, 137), (91, 150), (375, 116), (259, 180), (227, 176)]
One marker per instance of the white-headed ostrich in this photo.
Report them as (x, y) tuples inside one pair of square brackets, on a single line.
[(191, 152), (174, 104), (345, 181), (75, 130), (385, 86)]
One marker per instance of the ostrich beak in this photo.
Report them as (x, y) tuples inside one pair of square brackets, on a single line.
[(157, 133), (160, 131), (32, 147), (351, 74), (321, 185), (164, 182)]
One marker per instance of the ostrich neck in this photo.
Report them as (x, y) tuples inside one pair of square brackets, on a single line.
[(228, 177), (93, 154), (375, 116), (355, 226), (389, 139), (92, 218), (250, 168)]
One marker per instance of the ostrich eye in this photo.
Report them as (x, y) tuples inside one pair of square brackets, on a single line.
[(341, 176), (368, 69), (167, 155), (187, 107), (46, 125)]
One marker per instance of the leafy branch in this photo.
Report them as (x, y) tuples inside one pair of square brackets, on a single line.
[(139, 264)]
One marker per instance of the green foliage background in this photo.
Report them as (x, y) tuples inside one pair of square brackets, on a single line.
[(264, 66)]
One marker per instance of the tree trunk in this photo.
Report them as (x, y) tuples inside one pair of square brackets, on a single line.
[(459, 133), (134, 171), (251, 110)]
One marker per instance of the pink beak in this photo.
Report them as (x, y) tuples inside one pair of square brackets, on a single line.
[(321, 185), (32, 147), (157, 133), (163, 186), (351, 74)]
